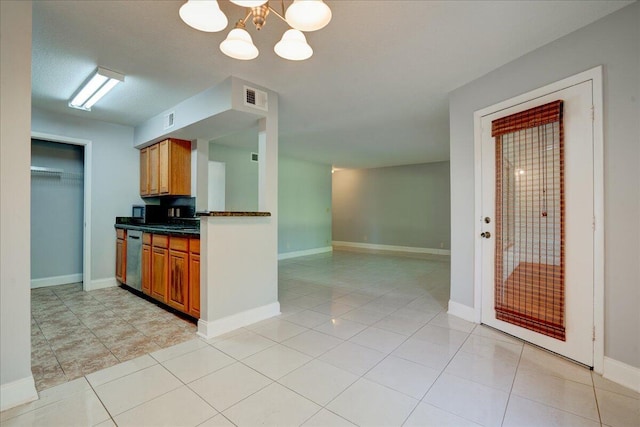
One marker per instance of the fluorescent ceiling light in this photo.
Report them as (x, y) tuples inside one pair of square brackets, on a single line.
[(101, 82)]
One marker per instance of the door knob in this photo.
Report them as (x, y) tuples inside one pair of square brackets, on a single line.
[(485, 234)]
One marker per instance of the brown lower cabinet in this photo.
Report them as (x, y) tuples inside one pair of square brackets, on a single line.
[(171, 271), (121, 255), (178, 291), (159, 273), (146, 263), (194, 278)]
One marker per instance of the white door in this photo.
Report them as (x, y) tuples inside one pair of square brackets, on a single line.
[(530, 216)]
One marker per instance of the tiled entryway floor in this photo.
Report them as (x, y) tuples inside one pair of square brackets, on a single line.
[(362, 340), (75, 333)]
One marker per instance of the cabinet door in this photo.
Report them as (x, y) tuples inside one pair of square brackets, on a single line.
[(178, 291), (144, 172), (121, 260), (146, 269), (164, 171), (194, 285), (153, 171), (180, 167), (159, 272)]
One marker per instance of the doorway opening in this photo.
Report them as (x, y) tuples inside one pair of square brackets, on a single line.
[(73, 177), (57, 219)]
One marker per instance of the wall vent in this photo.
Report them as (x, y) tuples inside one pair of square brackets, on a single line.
[(254, 157), (255, 98), (169, 120)]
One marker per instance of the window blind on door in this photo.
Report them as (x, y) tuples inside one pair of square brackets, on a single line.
[(529, 260)]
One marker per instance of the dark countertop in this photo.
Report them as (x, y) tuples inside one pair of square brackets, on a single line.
[(187, 228), (230, 213)]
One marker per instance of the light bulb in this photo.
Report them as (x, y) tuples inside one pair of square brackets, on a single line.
[(238, 45), (293, 46), (249, 3), (203, 15), (308, 15)]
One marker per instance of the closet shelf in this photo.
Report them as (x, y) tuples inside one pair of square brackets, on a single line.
[(54, 173)]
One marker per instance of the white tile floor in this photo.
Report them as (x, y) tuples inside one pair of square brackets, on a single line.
[(363, 340)]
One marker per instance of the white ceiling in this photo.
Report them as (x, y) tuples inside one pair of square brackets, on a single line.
[(373, 94)]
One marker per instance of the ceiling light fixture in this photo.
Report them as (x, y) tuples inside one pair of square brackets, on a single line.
[(94, 88), (301, 15)]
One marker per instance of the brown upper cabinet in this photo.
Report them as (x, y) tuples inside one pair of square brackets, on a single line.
[(165, 169)]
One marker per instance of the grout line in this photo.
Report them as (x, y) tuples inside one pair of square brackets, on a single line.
[(515, 375), (100, 400), (421, 400), (595, 396)]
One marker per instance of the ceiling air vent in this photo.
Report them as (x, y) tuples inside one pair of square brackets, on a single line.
[(255, 98), (169, 121)]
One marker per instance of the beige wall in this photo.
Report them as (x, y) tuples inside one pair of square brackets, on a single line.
[(16, 382), (239, 268), (304, 205), (397, 206)]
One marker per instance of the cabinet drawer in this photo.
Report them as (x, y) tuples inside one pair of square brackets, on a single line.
[(146, 238), (160, 241), (179, 244), (120, 233), (194, 246)]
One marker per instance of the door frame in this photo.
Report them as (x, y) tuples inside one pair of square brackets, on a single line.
[(86, 231), (595, 75)]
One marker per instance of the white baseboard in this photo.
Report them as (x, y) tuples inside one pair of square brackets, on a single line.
[(462, 311), (296, 254), (55, 281), (391, 248), (621, 373), (217, 327), (17, 393), (109, 282)]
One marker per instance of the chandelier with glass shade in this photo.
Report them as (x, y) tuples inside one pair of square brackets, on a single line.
[(301, 15)]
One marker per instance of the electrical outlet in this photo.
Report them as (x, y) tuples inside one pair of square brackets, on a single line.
[(365, 238), (441, 245)]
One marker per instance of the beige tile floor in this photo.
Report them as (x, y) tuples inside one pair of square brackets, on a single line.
[(362, 340), (75, 333)]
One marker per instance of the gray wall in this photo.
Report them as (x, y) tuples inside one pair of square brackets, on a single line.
[(114, 181), (56, 210), (16, 382), (614, 42), (304, 205), (398, 206), (241, 181)]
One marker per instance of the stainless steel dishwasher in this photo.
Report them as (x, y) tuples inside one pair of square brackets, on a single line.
[(134, 259)]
